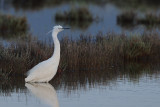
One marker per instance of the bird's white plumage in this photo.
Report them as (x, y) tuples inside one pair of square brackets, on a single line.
[(46, 70)]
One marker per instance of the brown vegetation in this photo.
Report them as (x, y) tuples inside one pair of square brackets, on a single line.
[(76, 17), (85, 54), (130, 18), (11, 26)]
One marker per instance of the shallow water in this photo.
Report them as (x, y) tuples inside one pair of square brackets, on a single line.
[(133, 87), (43, 19), (121, 92)]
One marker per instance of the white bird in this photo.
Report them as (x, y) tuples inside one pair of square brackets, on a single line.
[(46, 70), (45, 92)]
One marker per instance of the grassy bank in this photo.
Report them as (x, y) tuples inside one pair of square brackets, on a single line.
[(88, 53)]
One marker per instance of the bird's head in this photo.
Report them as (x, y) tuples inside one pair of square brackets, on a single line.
[(59, 28)]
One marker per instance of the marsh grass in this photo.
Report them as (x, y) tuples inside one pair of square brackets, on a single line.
[(131, 19), (91, 60), (88, 53), (75, 17), (150, 19), (75, 14), (11, 26), (126, 18)]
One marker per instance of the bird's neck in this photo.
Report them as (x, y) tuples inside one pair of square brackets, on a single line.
[(56, 54)]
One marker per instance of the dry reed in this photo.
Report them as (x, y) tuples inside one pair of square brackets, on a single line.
[(88, 53)]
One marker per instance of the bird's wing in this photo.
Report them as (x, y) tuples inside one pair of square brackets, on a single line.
[(39, 68)]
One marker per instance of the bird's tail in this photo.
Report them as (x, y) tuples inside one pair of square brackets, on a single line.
[(28, 79)]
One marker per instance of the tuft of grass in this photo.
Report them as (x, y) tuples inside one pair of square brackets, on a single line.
[(150, 19), (135, 47), (130, 18), (78, 17), (126, 18), (11, 26), (75, 14)]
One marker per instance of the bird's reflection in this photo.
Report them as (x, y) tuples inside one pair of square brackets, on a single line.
[(45, 92)]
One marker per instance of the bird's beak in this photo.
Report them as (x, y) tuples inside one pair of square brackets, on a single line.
[(65, 28), (61, 28)]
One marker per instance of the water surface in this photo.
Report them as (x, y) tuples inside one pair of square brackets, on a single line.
[(132, 86), (120, 91), (42, 19)]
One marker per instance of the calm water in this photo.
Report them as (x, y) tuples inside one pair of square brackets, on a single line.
[(41, 20), (122, 92), (128, 88)]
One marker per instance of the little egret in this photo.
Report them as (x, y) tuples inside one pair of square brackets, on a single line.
[(45, 71)]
